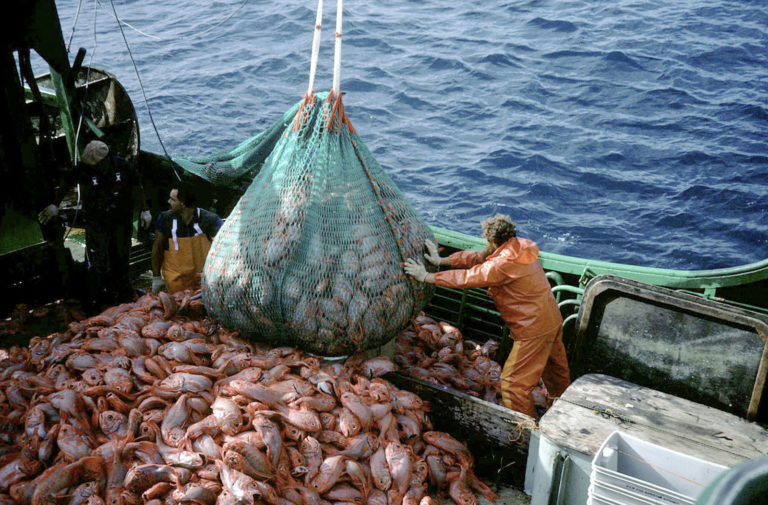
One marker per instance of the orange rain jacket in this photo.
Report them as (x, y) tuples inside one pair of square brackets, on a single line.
[(515, 281)]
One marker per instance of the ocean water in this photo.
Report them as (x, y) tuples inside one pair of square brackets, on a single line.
[(630, 131)]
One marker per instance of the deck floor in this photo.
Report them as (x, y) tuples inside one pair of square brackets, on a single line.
[(508, 496)]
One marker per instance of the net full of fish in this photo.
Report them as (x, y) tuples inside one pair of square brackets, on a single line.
[(436, 352), (149, 402), (311, 255)]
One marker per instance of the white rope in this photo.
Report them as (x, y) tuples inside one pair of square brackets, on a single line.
[(73, 224), (87, 84), (337, 52), (74, 25), (315, 47), (143, 91), (184, 37)]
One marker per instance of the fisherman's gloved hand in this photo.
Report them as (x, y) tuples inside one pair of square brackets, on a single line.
[(145, 218), (157, 283), (48, 213), (414, 269), (432, 255)]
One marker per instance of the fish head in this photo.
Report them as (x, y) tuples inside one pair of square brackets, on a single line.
[(94, 499), (310, 445), (120, 379), (420, 472), (175, 436), (393, 449), (121, 361), (93, 377), (298, 471), (234, 459), (110, 421)]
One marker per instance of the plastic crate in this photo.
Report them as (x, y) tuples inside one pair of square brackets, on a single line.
[(630, 471)]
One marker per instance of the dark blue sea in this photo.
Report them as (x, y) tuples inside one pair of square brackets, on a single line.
[(631, 131)]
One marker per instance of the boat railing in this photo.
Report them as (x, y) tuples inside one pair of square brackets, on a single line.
[(570, 274)]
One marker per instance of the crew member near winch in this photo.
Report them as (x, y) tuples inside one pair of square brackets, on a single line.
[(508, 267), (184, 235), (109, 188)]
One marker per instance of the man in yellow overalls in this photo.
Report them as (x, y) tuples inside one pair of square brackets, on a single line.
[(184, 235)]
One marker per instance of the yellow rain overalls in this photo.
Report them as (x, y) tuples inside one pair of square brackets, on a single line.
[(184, 259)]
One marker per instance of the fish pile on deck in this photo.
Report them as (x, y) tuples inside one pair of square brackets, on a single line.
[(148, 402), (436, 352)]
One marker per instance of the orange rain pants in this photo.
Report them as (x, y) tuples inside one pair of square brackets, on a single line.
[(521, 292), (542, 357)]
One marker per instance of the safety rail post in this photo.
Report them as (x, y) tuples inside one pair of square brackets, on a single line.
[(568, 289), (462, 307), (558, 280), (570, 301), (586, 275), (570, 318)]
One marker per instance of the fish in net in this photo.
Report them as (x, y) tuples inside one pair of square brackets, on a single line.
[(312, 253)]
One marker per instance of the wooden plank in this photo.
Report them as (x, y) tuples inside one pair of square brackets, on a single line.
[(498, 437), (595, 405)]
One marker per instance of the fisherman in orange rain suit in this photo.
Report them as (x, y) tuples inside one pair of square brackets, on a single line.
[(521, 292)]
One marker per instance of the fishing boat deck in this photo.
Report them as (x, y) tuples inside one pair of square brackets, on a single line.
[(508, 495)]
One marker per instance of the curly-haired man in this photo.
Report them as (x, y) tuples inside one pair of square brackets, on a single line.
[(508, 267)]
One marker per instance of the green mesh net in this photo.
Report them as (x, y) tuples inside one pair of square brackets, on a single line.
[(312, 254), (240, 164)]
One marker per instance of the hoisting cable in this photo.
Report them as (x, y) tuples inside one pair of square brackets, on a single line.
[(315, 48), (74, 25), (309, 96), (337, 52), (87, 83), (335, 94), (143, 92), (185, 37), (82, 108)]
